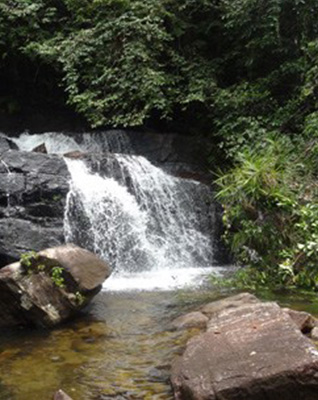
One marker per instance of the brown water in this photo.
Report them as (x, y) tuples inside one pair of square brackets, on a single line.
[(121, 350)]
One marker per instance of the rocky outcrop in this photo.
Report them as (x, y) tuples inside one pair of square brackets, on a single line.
[(250, 351), (34, 185), (47, 288), (33, 188)]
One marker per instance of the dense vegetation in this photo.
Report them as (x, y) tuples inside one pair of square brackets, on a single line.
[(244, 73)]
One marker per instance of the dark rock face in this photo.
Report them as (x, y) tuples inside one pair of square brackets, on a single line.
[(40, 149), (34, 185), (6, 144), (169, 148), (249, 352), (32, 296), (33, 189)]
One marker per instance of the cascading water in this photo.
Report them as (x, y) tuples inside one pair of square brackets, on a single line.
[(60, 143), (157, 232), (153, 228)]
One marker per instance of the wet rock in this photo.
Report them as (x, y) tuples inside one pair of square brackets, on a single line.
[(60, 395), (303, 320), (33, 189), (30, 295), (6, 144), (169, 148), (249, 352), (159, 374), (75, 155), (18, 235), (21, 161), (191, 320), (41, 148)]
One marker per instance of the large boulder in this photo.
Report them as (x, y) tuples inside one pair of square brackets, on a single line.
[(252, 351), (49, 287)]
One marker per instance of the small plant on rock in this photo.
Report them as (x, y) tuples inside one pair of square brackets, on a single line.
[(79, 298), (57, 276), (27, 260)]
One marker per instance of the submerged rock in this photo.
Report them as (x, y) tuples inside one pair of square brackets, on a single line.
[(251, 351), (46, 288), (60, 395)]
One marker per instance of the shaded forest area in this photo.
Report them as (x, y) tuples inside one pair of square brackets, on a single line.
[(242, 73)]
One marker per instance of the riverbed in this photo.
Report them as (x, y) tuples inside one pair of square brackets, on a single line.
[(120, 349)]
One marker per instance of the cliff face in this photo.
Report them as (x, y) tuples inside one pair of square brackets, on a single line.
[(33, 188)]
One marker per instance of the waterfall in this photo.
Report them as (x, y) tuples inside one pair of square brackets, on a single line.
[(149, 225), (61, 143)]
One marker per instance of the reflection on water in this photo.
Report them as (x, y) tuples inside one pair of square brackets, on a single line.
[(121, 351)]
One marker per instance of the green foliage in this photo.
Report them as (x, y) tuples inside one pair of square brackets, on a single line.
[(32, 263), (28, 259), (57, 276), (79, 298), (271, 213), (122, 63), (118, 61), (41, 267), (243, 72)]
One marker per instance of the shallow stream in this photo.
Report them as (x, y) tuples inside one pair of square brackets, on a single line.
[(157, 232), (121, 349)]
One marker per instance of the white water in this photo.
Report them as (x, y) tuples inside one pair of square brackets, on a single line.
[(60, 143), (146, 223), (163, 279), (149, 232)]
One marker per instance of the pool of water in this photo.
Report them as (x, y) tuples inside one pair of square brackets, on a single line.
[(121, 349)]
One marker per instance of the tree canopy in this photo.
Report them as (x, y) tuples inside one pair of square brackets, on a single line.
[(122, 62)]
